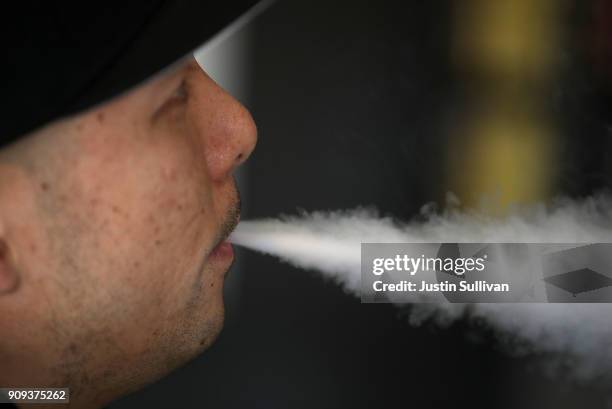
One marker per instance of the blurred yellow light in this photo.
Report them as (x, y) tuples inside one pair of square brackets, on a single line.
[(504, 162)]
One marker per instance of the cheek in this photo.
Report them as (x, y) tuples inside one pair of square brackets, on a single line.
[(144, 215)]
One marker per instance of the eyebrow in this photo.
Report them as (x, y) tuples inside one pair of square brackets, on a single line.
[(192, 65), (183, 68)]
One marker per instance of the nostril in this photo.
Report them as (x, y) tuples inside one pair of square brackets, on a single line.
[(239, 157)]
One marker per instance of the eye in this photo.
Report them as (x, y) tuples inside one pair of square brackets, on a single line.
[(175, 102), (181, 94)]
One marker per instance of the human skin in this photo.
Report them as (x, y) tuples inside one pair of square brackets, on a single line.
[(110, 270)]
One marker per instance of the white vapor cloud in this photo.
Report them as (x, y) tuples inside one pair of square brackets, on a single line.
[(329, 242)]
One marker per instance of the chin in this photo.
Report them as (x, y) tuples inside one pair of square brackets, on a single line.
[(211, 331), (199, 323), (187, 343), (203, 328)]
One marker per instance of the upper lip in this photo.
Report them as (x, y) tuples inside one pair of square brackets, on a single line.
[(232, 220), (229, 231)]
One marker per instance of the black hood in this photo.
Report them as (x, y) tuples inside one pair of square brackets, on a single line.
[(63, 57)]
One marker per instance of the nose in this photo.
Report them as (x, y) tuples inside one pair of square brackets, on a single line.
[(224, 127)]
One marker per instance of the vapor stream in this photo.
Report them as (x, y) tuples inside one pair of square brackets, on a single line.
[(577, 334)]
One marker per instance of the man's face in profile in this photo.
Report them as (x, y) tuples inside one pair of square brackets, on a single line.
[(114, 232)]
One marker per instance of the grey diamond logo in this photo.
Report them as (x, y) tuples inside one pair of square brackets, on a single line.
[(579, 281)]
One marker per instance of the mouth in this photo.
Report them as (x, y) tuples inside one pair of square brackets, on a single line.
[(223, 250)]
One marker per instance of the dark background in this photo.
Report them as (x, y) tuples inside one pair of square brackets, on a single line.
[(353, 101)]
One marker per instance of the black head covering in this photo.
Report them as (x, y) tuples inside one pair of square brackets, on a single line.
[(63, 57)]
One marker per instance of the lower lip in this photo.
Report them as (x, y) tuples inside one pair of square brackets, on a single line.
[(223, 250)]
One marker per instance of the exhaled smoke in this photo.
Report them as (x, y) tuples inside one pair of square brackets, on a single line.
[(330, 243)]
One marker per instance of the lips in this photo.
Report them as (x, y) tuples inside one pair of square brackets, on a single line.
[(222, 250)]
